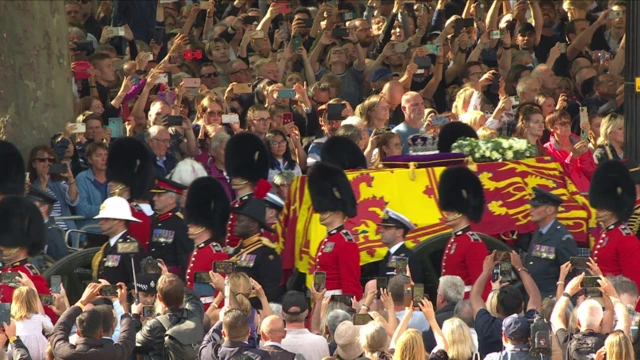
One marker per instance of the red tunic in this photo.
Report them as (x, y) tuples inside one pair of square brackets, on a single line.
[(141, 231), (463, 257), (201, 260), (38, 280), (617, 252), (232, 240), (339, 256)]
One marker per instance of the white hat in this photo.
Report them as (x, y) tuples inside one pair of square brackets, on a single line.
[(117, 208), (274, 201), (394, 218)]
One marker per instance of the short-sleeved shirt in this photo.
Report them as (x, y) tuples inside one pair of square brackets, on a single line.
[(489, 329), (405, 131), (351, 80)]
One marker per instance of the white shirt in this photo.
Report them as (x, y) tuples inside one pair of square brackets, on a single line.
[(302, 341), (394, 248), (113, 240), (418, 321)]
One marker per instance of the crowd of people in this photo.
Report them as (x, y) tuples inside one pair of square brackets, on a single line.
[(193, 120)]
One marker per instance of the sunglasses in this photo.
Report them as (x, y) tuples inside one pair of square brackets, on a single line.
[(209, 75), (44, 159)]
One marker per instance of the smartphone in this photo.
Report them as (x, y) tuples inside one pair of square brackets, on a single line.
[(307, 23), (345, 299), (205, 5), (80, 70), (191, 55), (418, 294), (563, 48), (117, 127), (242, 89), (224, 267), (440, 120), (46, 300), (159, 33), (408, 295), (579, 262), (85, 45), (148, 311), (400, 47), (319, 280), (191, 82), (56, 284), (380, 131), (584, 120), (616, 14), (202, 277), (494, 88), (286, 93), (287, 118), (174, 120), (334, 111), (128, 247), (381, 283), (56, 169), (5, 313), (250, 20), (496, 35), (230, 119), (340, 33), (495, 275), (362, 319), (169, 97), (257, 34), (590, 282), (480, 13), (118, 31), (401, 262), (78, 128), (515, 101), (458, 26), (150, 265), (296, 42), (422, 62), (506, 271), (109, 290), (346, 16), (284, 7), (163, 78), (9, 278), (433, 49)]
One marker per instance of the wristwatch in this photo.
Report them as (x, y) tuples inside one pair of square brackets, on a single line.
[(141, 72)]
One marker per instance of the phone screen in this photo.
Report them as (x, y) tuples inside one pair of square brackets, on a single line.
[(109, 290), (46, 300), (381, 283), (590, 282), (408, 295), (579, 262), (361, 319), (334, 111), (202, 277), (223, 267), (5, 313), (345, 299), (319, 280), (9, 278), (418, 294), (57, 169), (56, 284), (147, 311), (117, 127), (506, 271)]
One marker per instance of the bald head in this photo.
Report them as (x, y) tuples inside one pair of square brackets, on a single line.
[(272, 329), (393, 91)]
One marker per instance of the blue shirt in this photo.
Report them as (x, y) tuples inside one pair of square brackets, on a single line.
[(546, 228), (405, 131)]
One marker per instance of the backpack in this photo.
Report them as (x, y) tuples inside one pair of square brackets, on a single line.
[(183, 337), (584, 345)]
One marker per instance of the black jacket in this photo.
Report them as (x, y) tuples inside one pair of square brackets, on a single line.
[(150, 337), (444, 313), (170, 241), (231, 350), (19, 351)]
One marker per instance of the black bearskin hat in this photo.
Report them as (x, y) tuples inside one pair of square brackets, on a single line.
[(331, 190), (246, 157), (343, 153), (612, 189), (460, 190), (129, 163), (12, 171), (21, 224), (208, 206), (451, 132)]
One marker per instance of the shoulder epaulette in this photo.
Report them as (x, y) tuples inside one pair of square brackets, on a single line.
[(474, 236), (32, 268), (625, 230), (136, 206), (347, 235), (216, 247), (266, 242), (179, 214)]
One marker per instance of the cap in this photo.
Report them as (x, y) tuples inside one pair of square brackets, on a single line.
[(393, 218), (255, 209), (166, 185), (147, 282), (381, 73), (347, 338), (37, 194), (117, 208), (273, 201), (294, 303), (543, 197), (516, 327)]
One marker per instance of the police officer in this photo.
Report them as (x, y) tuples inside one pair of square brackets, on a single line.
[(634, 221), (247, 165), (612, 193), (55, 247), (206, 213), (393, 229), (256, 256), (551, 246), (461, 200), (169, 240), (113, 261), (338, 254)]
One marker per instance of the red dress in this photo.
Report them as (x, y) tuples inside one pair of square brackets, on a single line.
[(339, 256), (463, 257), (201, 260), (232, 240), (617, 252), (579, 169), (38, 280), (141, 231)]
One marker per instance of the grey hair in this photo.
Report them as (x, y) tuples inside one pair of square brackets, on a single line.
[(283, 177), (523, 83), (75, 30), (218, 139), (464, 312), (335, 318), (276, 309), (452, 288), (353, 120), (623, 285), (153, 131)]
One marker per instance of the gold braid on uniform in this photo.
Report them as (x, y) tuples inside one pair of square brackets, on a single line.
[(97, 258), (634, 221)]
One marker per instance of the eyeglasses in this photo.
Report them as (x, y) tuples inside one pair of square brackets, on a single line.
[(209, 75), (215, 113), (279, 143), (261, 120), (163, 141), (478, 73), (44, 159), (241, 71)]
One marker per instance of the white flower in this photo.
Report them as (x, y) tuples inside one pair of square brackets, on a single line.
[(508, 155)]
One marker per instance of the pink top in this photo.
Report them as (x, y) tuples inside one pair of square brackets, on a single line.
[(579, 169)]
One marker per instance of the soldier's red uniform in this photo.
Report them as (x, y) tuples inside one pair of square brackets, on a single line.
[(42, 287), (232, 240), (339, 256), (463, 257), (201, 260), (141, 231), (617, 252)]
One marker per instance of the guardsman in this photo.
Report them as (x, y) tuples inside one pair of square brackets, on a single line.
[(169, 240), (113, 262), (613, 195), (393, 229), (130, 176), (206, 213), (256, 256), (552, 244), (461, 201), (338, 254), (634, 221), (274, 208), (247, 165), (22, 234)]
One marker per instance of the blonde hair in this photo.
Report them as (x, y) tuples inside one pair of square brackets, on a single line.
[(367, 106), (458, 335), (463, 98), (484, 133), (609, 123), (240, 286), (24, 303), (492, 302), (618, 346), (473, 118), (410, 346), (374, 338)]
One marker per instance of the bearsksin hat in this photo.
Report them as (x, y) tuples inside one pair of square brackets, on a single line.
[(460, 190), (208, 206), (129, 163), (613, 189), (330, 190)]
